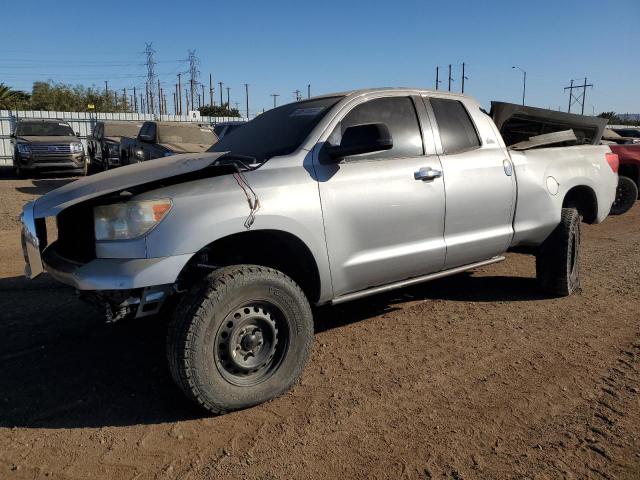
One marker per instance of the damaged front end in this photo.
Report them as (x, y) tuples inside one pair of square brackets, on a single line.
[(127, 304)]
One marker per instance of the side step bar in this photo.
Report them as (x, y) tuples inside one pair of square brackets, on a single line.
[(413, 281)]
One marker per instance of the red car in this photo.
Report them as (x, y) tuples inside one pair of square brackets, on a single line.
[(629, 177)]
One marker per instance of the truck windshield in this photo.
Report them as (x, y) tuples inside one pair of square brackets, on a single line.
[(186, 134), (279, 131), (44, 129), (121, 129)]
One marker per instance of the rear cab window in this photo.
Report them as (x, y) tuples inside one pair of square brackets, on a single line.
[(457, 131)]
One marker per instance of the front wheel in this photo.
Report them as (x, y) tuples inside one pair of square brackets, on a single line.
[(239, 338), (626, 195), (557, 260)]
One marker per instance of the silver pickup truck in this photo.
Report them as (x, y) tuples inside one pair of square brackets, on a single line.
[(316, 202)]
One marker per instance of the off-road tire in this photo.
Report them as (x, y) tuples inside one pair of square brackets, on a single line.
[(557, 259), (626, 196), (193, 336)]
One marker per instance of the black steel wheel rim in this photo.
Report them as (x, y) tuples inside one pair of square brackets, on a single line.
[(251, 343)]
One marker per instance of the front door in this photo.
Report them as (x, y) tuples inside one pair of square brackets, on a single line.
[(384, 221)]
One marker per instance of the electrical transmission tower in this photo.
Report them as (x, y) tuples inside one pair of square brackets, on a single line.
[(580, 97), (194, 63), (151, 76)]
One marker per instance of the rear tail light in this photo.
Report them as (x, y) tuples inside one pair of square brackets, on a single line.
[(613, 161)]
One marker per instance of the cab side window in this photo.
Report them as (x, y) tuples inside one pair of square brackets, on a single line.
[(398, 114), (145, 129), (152, 131), (457, 132)]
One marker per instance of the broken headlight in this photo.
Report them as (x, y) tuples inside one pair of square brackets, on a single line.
[(125, 221)]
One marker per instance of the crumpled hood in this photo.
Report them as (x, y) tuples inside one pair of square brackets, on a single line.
[(186, 147), (121, 178)]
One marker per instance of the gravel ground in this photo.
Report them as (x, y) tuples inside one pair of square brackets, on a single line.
[(474, 376)]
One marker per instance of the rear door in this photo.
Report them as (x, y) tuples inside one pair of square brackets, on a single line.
[(382, 224), (479, 182)]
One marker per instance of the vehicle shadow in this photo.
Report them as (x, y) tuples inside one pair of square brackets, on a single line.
[(63, 367), (44, 185), (464, 287)]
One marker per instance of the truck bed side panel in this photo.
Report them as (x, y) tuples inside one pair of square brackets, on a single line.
[(541, 171)]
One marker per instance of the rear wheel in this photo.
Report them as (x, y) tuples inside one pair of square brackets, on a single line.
[(557, 260), (626, 196), (239, 338)]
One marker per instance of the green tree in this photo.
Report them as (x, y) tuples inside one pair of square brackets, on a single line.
[(75, 98), (11, 99), (219, 111), (613, 118)]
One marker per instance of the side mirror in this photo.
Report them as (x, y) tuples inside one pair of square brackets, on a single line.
[(146, 138), (77, 134), (13, 135), (365, 138)]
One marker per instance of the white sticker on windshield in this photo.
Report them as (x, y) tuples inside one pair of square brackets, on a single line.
[(304, 112), (63, 124)]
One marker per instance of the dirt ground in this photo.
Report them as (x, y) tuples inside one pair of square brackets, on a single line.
[(474, 376)]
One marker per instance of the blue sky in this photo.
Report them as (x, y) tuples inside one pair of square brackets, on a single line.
[(279, 46)]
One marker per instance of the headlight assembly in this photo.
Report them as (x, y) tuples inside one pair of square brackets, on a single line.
[(125, 221), (23, 149), (76, 148), (114, 149)]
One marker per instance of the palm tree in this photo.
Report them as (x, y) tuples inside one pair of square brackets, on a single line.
[(10, 98)]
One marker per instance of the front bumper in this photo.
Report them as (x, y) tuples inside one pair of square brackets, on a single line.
[(31, 242), (58, 162), (113, 273)]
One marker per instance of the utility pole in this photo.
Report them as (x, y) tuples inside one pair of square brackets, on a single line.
[(124, 98), (151, 75), (186, 97), (274, 95), (463, 77), (246, 93), (524, 82), (175, 104), (106, 88), (159, 98), (228, 104), (580, 97), (180, 92), (211, 90), (203, 97), (450, 79), (309, 90), (221, 101), (437, 77), (135, 101)]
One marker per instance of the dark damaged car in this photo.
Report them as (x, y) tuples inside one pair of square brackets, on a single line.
[(163, 139)]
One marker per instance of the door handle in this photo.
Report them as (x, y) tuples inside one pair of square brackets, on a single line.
[(427, 173)]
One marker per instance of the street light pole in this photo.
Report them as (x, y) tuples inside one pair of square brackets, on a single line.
[(524, 83)]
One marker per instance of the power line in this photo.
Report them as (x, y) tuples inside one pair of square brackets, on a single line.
[(151, 77), (194, 63), (580, 97)]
